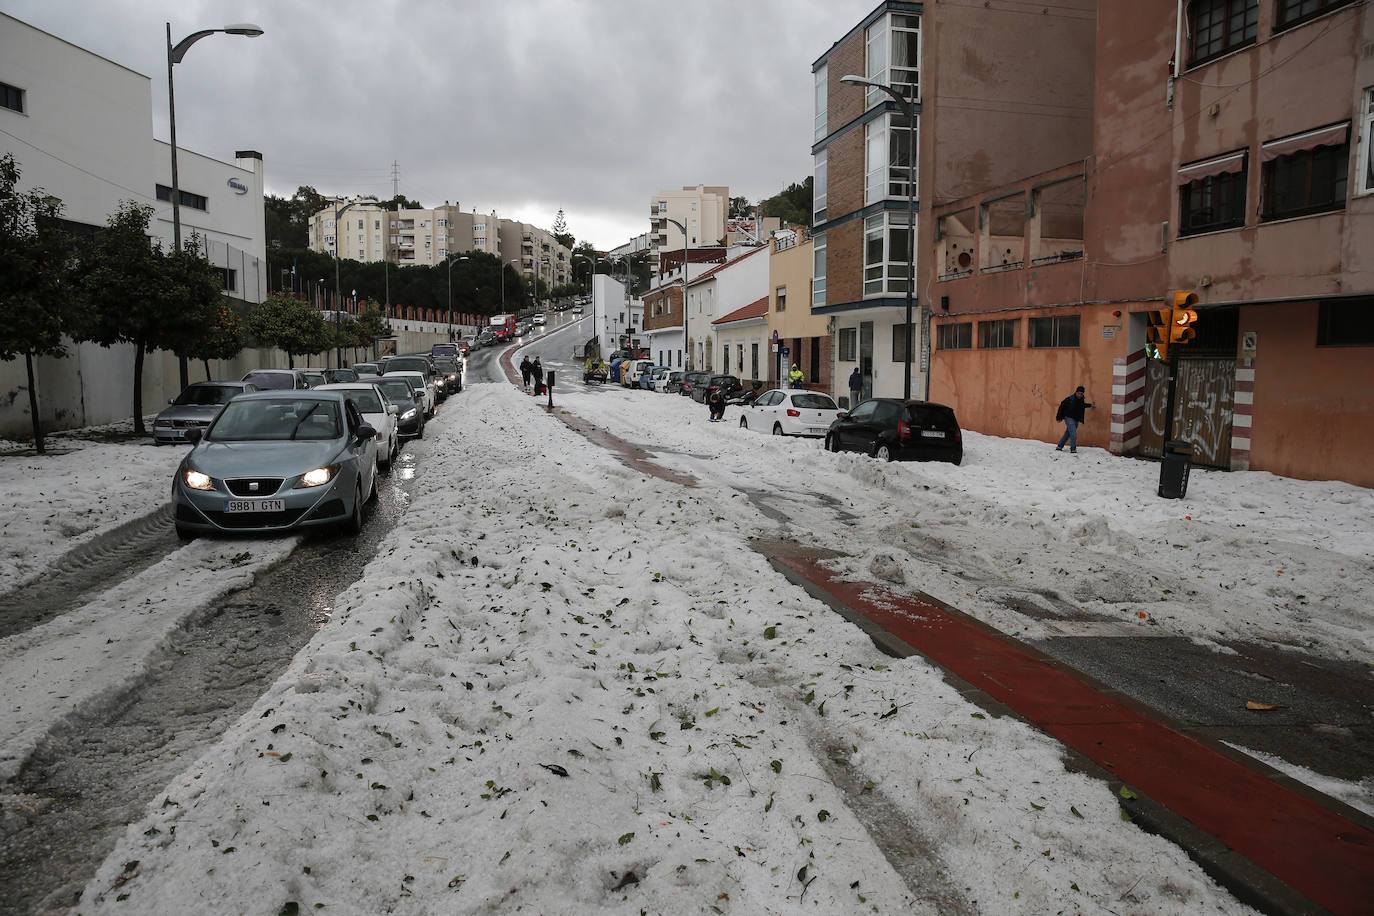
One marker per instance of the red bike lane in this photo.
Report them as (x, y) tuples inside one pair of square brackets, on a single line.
[(1313, 850)]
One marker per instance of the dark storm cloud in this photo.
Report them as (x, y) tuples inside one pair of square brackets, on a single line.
[(521, 107)]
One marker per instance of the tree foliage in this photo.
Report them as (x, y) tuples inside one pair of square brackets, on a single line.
[(36, 303), (560, 231), (142, 296), (291, 325), (792, 205)]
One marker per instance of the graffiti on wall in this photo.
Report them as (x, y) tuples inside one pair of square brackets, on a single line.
[(1204, 404)]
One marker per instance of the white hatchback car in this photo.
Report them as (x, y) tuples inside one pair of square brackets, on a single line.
[(788, 412), (379, 413)]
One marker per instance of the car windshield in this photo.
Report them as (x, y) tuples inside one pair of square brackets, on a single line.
[(365, 399), (206, 395), (272, 380), (813, 402), (396, 389), (274, 419)]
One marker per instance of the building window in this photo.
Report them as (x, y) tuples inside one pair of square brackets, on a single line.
[(886, 158), (194, 201), (901, 342), (11, 97), (1365, 166), (822, 102), (1218, 27), (849, 338), (1212, 203), (1346, 323), (818, 270), (997, 335), (782, 298), (893, 57), (885, 253), (754, 360), (1295, 12), (725, 359), (957, 336), (1056, 331), (1296, 181), (818, 187), (361, 256), (228, 278)]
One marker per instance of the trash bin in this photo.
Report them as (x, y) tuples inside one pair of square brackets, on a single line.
[(1173, 469)]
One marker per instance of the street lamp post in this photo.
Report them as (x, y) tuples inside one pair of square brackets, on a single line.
[(686, 341), (450, 293), (338, 289), (909, 111), (174, 55)]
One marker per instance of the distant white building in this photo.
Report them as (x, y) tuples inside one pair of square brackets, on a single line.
[(702, 211)]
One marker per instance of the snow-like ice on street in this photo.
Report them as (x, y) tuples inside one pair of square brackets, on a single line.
[(568, 687)]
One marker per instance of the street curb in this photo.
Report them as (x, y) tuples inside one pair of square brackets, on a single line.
[(1249, 882)]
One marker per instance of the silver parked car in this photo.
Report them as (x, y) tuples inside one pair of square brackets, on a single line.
[(277, 461), (195, 408)]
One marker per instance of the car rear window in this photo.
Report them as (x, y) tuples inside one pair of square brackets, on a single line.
[(813, 402), (366, 401), (206, 395), (397, 389), (272, 380), (931, 416)]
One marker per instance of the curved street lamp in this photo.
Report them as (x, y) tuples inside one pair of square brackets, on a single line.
[(175, 53), (450, 292), (909, 111), (686, 344)]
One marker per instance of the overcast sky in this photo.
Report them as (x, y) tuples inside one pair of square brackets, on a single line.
[(521, 106)]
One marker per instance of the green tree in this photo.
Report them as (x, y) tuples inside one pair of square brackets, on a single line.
[(792, 205), (223, 337), (368, 326), (140, 295), (740, 207), (291, 325), (36, 257), (560, 231)]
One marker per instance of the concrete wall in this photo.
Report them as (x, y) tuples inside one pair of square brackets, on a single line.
[(93, 385)]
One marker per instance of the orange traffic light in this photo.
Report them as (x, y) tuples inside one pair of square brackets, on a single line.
[(1158, 333), (1183, 318)]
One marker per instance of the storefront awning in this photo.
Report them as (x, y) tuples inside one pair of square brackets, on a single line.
[(1310, 139), (1208, 168)]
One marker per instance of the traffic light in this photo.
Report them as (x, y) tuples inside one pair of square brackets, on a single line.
[(1158, 333), (1183, 318)]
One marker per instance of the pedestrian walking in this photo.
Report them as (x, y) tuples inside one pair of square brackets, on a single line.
[(525, 373), (1071, 412), (537, 375), (796, 378), (856, 387)]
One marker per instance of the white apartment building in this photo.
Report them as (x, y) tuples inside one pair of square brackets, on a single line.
[(535, 252), (80, 127), (702, 210)]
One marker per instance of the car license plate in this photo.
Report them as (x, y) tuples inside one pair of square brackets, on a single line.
[(816, 430), (932, 433), (255, 505)]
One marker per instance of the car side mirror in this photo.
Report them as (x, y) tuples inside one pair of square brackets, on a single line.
[(841, 414), (366, 432), (392, 409), (194, 435)]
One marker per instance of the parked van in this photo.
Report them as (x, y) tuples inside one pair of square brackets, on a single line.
[(631, 370)]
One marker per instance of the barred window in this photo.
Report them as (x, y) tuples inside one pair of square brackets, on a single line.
[(1056, 331), (955, 336), (997, 335)]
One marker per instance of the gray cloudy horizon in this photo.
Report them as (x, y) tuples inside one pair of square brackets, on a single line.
[(525, 108)]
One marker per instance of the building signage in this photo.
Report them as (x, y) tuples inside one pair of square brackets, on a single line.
[(237, 186)]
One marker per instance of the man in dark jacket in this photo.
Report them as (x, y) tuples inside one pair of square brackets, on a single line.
[(856, 387), (525, 373), (1071, 412), (715, 400)]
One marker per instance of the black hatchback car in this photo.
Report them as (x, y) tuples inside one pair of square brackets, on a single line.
[(891, 429), (691, 380), (730, 383)]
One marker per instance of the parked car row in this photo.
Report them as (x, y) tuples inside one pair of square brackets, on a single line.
[(288, 449), (888, 429)]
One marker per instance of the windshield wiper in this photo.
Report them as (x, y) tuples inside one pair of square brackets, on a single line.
[(307, 416)]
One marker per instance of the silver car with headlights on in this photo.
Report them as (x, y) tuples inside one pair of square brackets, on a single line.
[(277, 461)]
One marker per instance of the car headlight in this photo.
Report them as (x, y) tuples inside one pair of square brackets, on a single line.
[(197, 481), (409, 414), (319, 476)]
